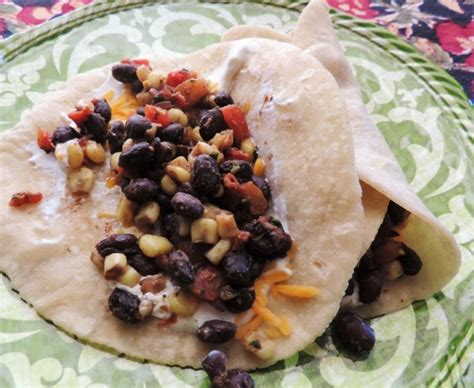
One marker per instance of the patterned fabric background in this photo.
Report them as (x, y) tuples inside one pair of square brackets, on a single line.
[(442, 29)]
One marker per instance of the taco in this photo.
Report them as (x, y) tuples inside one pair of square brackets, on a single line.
[(410, 255), (202, 251)]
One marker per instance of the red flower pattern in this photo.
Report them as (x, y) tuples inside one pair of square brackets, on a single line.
[(359, 8), (457, 40)]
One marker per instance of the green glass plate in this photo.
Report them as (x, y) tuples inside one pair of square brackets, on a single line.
[(421, 111)]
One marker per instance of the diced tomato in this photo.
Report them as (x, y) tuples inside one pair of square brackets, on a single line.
[(25, 198), (235, 120), (258, 202), (234, 153), (168, 94), (44, 140), (136, 61), (231, 182), (157, 115), (79, 116), (176, 77), (240, 240), (193, 90), (208, 283)]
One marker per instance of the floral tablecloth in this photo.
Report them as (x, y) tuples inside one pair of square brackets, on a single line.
[(442, 29)]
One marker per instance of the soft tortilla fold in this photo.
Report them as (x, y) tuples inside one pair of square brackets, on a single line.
[(46, 248), (377, 168)]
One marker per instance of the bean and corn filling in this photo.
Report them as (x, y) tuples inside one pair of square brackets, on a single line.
[(193, 184)]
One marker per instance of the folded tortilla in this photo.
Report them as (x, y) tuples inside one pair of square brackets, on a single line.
[(377, 168), (46, 248)]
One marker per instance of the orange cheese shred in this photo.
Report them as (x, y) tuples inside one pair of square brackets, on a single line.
[(273, 332), (273, 291), (297, 291), (266, 315), (293, 250), (124, 106), (285, 326), (274, 277), (254, 324), (260, 296)]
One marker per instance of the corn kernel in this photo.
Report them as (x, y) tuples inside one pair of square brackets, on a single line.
[(130, 277), (125, 211), (178, 174), (246, 107), (154, 80), (184, 226), (98, 260), (182, 162), (143, 72), (145, 308), (211, 211), (144, 98), (153, 246), (226, 225), (204, 230), (80, 181), (259, 167), (95, 152), (114, 160), (148, 213), (115, 265), (150, 133), (178, 116), (196, 134), (168, 186), (223, 140), (218, 251), (183, 304), (127, 144), (75, 156), (248, 146)]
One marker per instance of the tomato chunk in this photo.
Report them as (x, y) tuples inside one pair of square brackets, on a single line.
[(44, 140), (25, 198), (136, 61), (258, 202), (157, 115), (208, 283), (234, 153), (79, 116), (177, 77), (235, 119)]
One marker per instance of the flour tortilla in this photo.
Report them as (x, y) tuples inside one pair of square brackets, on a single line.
[(46, 248), (376, 166)]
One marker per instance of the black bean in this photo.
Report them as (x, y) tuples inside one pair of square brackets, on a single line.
[(125, 306), (188, 189), (353, 333), (237, 378), (223, 98), (164, 151), (172, 133), (141, 190), (206, 179), (124, 73), (267, 238), (155, 175), (169, 225), (102, 107), (237, 301), (237, 268), (183, 150), (142, 264), (137, 86), (256, 269), (350, 287), (117, 243), (240, 168), (211, 122), (410, 261), (370, 285), (64, 134), (137, 157), (141, 111), (136, 126), (187, 205), (164, 201), (216, 331), (214, 363), (96, 127), (263, 185), (116, 136), (397, 214), (180, 269)]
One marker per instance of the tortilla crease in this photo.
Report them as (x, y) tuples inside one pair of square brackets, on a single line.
[(376, 166), (46, 248)]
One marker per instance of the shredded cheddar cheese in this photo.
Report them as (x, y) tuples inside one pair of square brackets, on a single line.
[(297, 291), (111, 182), (122, 107), (253, 325), (266, 315), (273, 332), (260, 296), (271, 277)]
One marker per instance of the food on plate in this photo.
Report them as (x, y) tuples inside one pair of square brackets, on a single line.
[(407, 254), (185, 211)]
